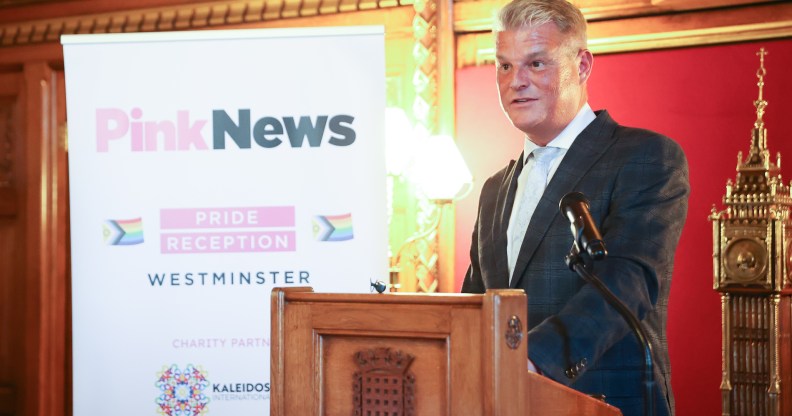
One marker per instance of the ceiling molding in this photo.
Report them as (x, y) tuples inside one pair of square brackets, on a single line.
[(193, 16)]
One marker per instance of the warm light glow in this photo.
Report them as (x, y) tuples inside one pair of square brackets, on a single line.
[(399, 140), (433, 163), (439, 170)]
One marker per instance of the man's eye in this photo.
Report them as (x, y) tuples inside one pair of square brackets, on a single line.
[(537, 64), (505, 67)]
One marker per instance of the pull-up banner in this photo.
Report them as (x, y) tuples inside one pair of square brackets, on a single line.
[(207, 168)]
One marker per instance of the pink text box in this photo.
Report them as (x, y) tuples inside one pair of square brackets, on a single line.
[(228, 242), (230, 217)]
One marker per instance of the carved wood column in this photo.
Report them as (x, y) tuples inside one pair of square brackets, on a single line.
[(45, 284), (446, 54), (432, 268)]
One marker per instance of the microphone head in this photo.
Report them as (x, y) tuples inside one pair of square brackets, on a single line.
[(596, 249), (570, 199), (569, 206), (575, 206), (379, 286)]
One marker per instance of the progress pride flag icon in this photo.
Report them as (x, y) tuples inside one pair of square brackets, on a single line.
[(233, 230)]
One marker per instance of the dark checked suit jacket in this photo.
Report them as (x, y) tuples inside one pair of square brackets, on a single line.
[(637, 184)]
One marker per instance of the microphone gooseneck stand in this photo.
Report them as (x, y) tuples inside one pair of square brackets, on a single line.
[(581, 263)]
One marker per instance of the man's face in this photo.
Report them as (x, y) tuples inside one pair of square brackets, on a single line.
[(541, 80)]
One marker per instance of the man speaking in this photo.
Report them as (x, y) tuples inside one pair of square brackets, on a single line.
[(637, 184)]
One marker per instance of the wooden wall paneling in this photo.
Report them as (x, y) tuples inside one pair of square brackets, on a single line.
[(11, 267), (8, 201), (15, 57), (9, 91), (465, 398), (44, 309), (281, 325), (7, 400)]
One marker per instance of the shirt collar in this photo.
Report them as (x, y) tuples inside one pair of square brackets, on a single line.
[(567, 136)]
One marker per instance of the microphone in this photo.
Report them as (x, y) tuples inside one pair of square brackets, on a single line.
[(379, 286), (575, 206)]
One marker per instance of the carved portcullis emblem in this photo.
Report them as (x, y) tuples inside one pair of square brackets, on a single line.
[(514, 332), (383, 385)]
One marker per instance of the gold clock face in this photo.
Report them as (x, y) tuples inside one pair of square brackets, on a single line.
[(746, 260)]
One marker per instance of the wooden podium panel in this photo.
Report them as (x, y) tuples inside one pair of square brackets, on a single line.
[(409, 354)]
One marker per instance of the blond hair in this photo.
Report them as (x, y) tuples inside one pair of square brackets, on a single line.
[(520, 14)]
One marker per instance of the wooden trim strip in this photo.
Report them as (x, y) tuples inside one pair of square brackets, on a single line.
[(395, 298), (659, 32), (476, 16), (683, 38)]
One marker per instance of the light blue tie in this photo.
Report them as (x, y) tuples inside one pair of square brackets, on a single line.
[(532, 191)]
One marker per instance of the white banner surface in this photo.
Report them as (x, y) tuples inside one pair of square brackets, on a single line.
[(207, 168)]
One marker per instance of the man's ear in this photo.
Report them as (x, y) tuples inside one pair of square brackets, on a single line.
[(586, 63)]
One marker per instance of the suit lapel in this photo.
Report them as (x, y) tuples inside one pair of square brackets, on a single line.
[(505, 201), (587, 148)]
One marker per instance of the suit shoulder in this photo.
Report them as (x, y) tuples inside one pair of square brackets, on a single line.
[(498, 177), (644, 136), (649, 145), (492, 186)]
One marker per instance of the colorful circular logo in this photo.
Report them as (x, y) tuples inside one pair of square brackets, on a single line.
[(182, 392)]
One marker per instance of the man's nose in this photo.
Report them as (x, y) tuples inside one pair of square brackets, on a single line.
[(520, 78)]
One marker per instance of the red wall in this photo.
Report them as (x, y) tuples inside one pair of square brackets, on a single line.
[(701, 97)]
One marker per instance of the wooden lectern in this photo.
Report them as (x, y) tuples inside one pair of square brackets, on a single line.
[(409, 354)]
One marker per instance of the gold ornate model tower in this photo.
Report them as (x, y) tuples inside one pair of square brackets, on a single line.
[(752, 243)]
